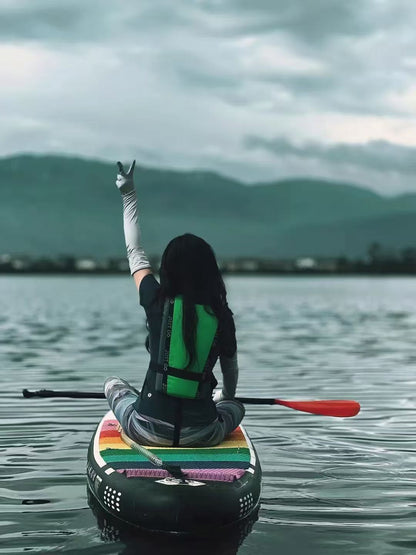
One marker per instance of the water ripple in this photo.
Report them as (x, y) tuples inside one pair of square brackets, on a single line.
[(330, 485)]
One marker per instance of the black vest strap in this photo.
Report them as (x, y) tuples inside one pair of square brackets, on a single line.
[(180, 373)]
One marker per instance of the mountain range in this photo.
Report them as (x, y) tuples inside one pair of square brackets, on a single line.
[(56, 205)]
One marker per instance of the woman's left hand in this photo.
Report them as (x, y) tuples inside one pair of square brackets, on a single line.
[(218, 396), (125, 181)]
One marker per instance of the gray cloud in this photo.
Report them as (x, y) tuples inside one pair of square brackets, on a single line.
[(380, 156), (43, 20), (93, 21), (182, 83), (315, 22), (311, 22)]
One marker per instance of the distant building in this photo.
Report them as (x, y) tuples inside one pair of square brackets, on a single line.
[(306, 263), (85, 265), (20, 264)]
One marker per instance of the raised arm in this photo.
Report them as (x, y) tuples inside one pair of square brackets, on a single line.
[(138, 261)]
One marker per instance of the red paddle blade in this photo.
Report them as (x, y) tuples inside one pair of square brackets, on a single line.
[(325, 408)]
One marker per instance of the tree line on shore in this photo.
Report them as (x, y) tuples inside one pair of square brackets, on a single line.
[(378, 260)]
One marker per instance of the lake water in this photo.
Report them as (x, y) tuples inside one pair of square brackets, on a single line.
[(330, 486)]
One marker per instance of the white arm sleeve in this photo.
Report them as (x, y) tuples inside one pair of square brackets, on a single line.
[(135, 253)]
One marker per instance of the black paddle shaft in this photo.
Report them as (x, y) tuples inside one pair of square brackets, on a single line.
[(69, 394), (255, 401), (96, 395)]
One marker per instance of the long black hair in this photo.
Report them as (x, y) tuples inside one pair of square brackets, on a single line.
[(189, 268)]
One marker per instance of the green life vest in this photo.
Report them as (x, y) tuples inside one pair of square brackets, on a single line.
[(175, 376)]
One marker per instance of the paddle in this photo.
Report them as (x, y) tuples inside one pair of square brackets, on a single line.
[(337, 408), (173, 469)]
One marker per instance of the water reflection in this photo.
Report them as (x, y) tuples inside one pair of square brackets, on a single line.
[(221, 542), (329, 485)]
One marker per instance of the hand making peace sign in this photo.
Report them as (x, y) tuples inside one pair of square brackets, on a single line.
[(124, 181)]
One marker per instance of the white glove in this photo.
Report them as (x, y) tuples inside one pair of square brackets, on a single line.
[(124, 181), (218, 396), (136, 256)]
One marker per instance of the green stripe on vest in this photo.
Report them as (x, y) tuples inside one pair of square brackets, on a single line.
[(178, 357)]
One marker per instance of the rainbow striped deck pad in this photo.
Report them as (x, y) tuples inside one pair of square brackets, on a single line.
[(224, 463)]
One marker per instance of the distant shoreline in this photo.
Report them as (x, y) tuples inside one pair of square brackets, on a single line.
[(377, 262), (243, 274), (369, 272)]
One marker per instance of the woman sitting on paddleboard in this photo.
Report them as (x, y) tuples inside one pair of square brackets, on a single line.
[(190, 328)]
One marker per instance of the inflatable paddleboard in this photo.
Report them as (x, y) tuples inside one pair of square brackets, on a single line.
[(221, 485)]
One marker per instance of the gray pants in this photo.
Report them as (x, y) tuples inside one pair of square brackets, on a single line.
[(121, 397)]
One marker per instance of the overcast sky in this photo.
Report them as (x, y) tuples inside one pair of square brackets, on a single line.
[(258, 90)]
